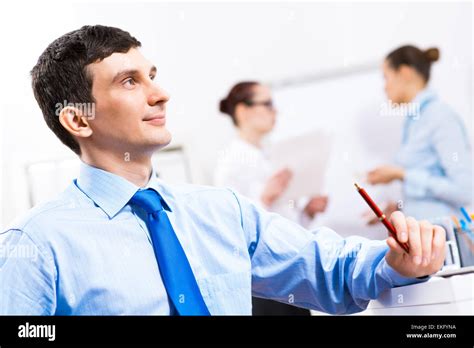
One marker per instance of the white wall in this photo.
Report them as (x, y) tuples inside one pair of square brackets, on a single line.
[(201, 49)]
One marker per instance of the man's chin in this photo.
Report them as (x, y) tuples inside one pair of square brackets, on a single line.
[(162, 140)]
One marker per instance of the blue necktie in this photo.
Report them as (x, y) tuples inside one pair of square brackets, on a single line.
[(174, 266)]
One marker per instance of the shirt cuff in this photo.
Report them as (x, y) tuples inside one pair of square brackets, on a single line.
[(416, 182), (396, 279)]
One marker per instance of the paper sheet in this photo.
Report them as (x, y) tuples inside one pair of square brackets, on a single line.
[(307, 157)]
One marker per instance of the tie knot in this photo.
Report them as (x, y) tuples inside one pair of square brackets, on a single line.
[(148, 199)]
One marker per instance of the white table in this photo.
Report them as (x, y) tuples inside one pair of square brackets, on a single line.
[(452, 295)]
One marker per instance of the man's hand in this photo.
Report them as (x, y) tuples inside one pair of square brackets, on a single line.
[(385, 174), (426, 242)]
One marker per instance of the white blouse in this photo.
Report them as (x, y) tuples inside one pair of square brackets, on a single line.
[(244, 168)]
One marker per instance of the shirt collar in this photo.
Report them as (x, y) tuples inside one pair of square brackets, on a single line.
[(112, 192), (423, 97)]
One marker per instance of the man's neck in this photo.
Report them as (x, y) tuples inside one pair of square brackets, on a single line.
[(137, 170)]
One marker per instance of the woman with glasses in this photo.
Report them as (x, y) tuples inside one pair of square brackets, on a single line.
[(244, 167)]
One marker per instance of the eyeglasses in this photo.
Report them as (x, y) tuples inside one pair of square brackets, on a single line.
[(268, 103)]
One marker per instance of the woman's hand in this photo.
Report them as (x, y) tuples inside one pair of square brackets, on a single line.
[(372, 219), (426, 242), (275, 186), (385, 174), (316, 204)]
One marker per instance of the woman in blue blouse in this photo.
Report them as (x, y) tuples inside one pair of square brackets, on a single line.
[(434, 161)]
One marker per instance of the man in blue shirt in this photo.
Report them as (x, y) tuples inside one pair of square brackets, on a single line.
[(105, 247)]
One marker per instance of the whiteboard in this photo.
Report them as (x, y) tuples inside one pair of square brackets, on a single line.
[(349, 107)]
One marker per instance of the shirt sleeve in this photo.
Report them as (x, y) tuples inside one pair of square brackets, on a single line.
[(454, 182), (27, 276), (314, 269)]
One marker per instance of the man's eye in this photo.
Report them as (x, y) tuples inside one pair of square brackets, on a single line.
[(129, 82)]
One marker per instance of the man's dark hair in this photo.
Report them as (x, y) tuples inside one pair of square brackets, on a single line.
[(61, 71)]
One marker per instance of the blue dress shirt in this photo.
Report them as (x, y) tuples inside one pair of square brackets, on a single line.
[(88, 253), (436, 156)]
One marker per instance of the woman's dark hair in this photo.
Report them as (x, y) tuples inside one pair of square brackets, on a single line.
[(242, 92), (61, 72), (414, 57)]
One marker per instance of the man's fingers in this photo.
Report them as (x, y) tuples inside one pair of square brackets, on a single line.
[(414, 240), (438, 242), (427, 244), (426, 233), (393, 244), (400, 223)]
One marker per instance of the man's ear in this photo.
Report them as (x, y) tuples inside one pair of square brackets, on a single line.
[(75, 123)]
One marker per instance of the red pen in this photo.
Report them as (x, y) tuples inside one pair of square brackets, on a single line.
[(381, 216)]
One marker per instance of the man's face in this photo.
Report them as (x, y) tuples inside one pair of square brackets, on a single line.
[(130, 107)]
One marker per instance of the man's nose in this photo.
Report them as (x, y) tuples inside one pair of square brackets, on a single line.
[(157, 95)]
